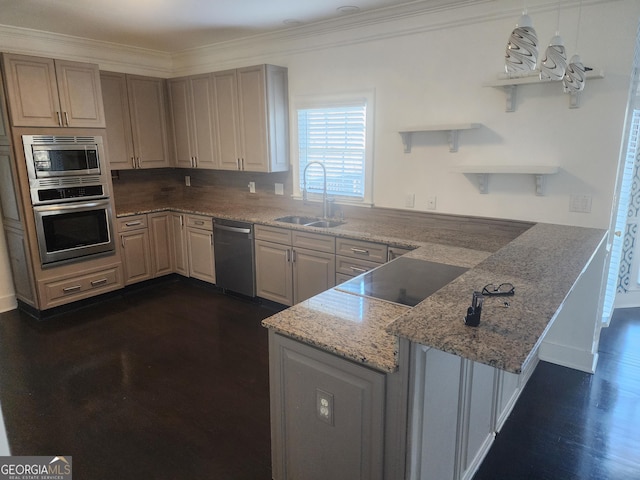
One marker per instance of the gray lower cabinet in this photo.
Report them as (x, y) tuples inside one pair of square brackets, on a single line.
[(19, 258), (179, 242), (200, 248), (332, 418), (354, 257), (457, 407), (145, 246), (160, 242), (292, 266), (135, 249)]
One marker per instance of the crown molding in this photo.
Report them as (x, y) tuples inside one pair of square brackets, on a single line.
[(395, 21), (110, 56), (407, 19)]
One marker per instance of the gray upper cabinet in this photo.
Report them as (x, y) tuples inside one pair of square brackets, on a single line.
[(192, 115), (43, 92), (116, 109), (252, 119), (136, 117)]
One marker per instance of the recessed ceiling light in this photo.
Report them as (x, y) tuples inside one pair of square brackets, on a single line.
[(348, 9), (292, 22)]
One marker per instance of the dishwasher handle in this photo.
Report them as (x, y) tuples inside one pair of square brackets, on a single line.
[(231, 229)]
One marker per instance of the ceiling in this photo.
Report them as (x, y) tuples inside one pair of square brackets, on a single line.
[(176, 25)]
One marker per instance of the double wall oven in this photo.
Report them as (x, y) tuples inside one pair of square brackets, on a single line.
[(70, 195)]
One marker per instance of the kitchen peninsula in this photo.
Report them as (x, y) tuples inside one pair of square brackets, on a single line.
[(364, 388)]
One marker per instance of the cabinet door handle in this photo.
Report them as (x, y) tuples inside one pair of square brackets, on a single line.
[(242, 163), (358, 269), (181, 221), (211, 238), (139, 166), (198, 222), (238, 163), (293, 256), (288, 256), (97, 283), (133, 224), (75, 288), (59, 118), (133, 162), (66, 118), (360, 251)]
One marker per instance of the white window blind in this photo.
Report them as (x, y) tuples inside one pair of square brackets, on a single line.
[(336, 137)]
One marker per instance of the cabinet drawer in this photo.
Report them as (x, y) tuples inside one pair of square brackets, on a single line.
[(353, 266), (341, 278), (135, 222), (273, 234), (374, 252), (81, 285), (314, 241), (201, 222)]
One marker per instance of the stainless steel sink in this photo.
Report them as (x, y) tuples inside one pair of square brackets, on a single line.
[(298, 220), (325, 223), (309, 221)]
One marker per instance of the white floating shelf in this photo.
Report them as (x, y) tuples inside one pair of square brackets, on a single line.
[(482, 173), (510, 84), (452, 129)]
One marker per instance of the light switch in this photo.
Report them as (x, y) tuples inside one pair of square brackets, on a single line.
[(279, 189), (252, 187), (410, 200)]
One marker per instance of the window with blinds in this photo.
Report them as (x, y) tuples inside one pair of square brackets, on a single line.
[(335, 137)]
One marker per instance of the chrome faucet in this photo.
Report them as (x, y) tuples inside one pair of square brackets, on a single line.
[(324, 187)]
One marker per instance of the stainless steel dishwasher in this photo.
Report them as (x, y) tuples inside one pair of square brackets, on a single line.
[(234, 256)]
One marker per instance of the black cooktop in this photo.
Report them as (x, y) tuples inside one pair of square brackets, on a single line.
[(406, 281)]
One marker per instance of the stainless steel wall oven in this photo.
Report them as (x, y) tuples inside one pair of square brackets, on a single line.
[(70, 195)]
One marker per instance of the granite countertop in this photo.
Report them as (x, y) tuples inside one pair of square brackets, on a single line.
[(542, 263), (393, 232)]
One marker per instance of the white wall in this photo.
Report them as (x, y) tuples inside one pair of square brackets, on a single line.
[(438, 76), (429, 67)]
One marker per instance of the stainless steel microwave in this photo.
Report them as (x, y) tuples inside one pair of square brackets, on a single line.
[(50, 156)]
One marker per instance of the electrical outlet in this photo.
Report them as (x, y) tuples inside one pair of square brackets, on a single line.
[(279, 189), (252, 187), (187, 180), (324, 406), (410, 200), (431, 202)]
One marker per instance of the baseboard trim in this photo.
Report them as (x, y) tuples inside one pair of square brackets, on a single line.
[(8, 302), (566, 356)]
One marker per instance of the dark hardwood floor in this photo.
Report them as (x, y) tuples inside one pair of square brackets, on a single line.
[(167, 382), (171, 382), (571, 425)]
